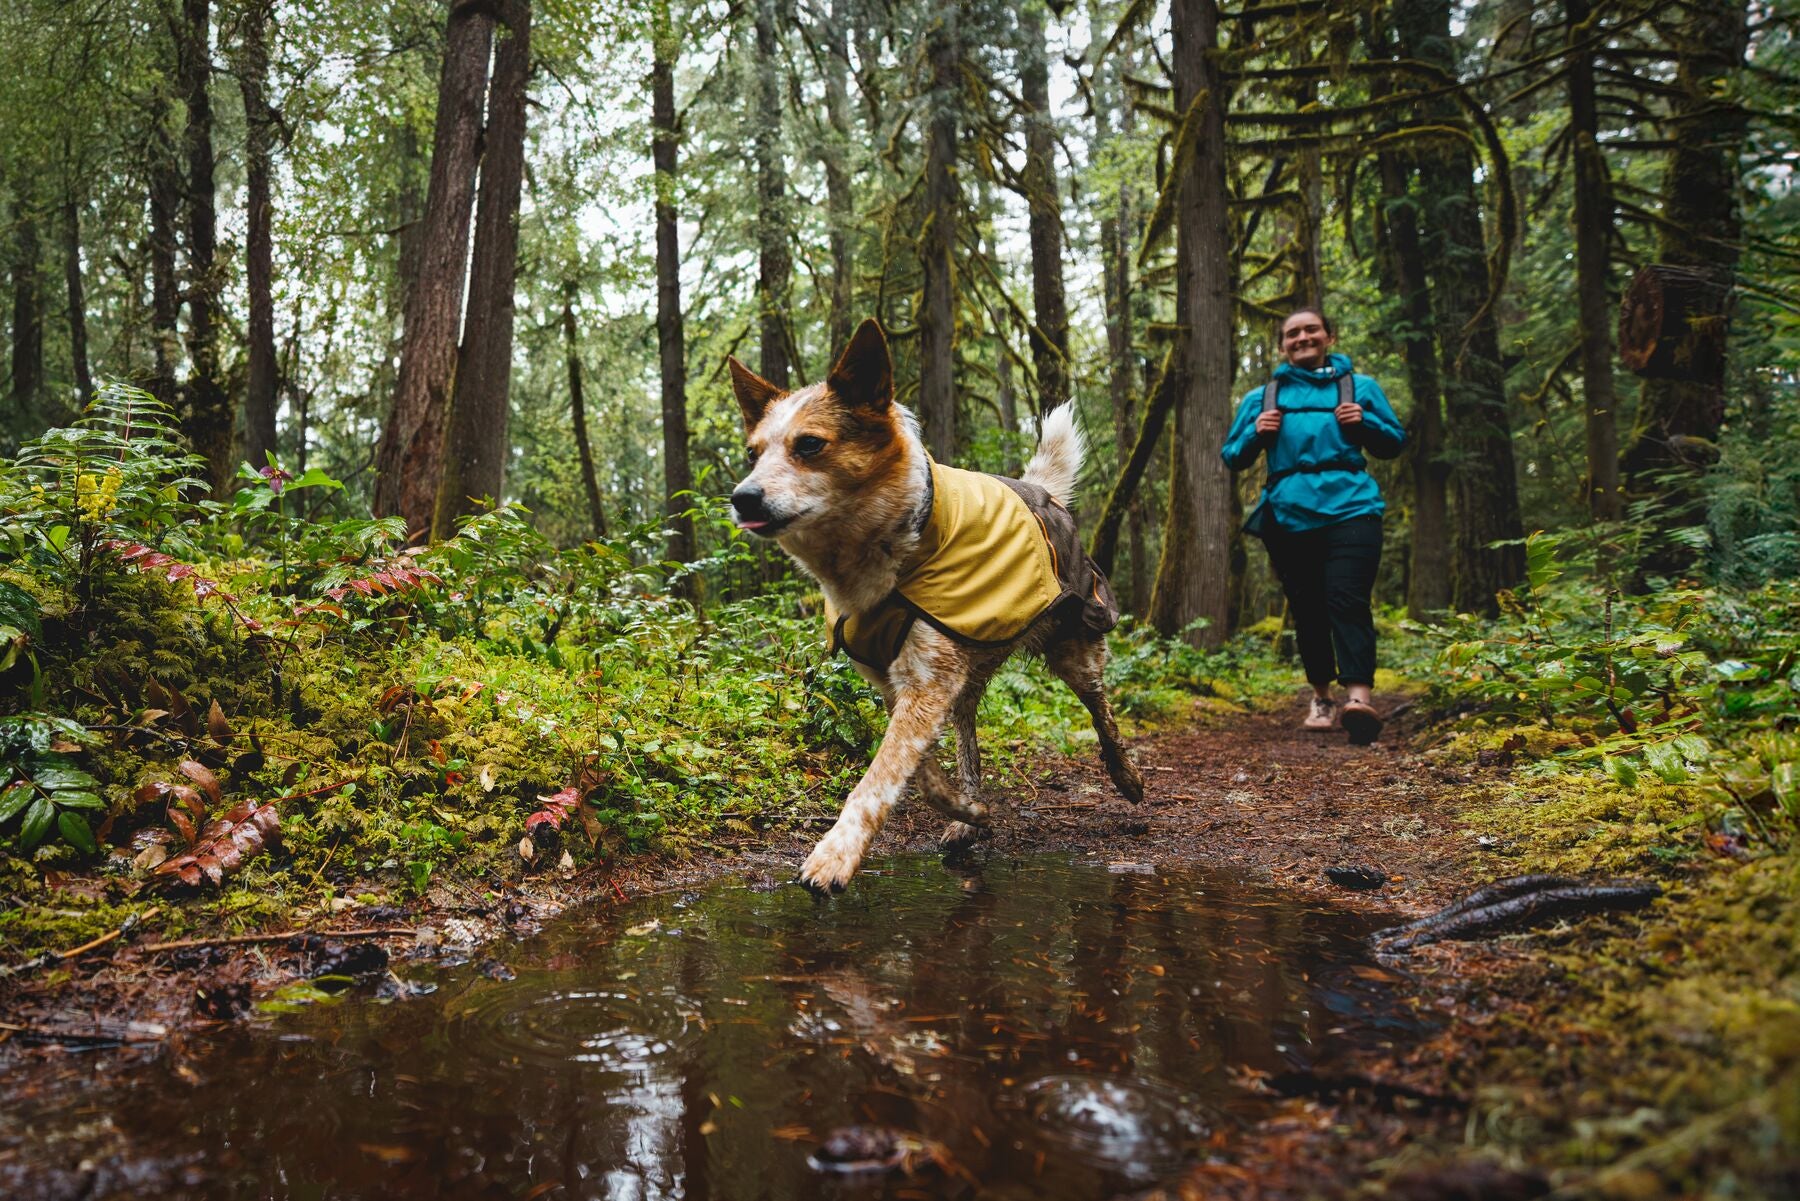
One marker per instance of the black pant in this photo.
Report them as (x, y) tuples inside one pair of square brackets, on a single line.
[(1328, 574)]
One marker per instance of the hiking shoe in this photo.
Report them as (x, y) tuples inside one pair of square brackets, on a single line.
[(1361, 722), (1322, 715)]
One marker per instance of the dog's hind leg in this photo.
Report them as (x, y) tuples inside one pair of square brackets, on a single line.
[(1081, 664), (966, 829), (925, 678)]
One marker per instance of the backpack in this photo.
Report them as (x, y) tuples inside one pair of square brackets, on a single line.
[(1346, 393)]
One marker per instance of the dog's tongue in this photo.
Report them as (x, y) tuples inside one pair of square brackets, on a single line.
[(750, 525)]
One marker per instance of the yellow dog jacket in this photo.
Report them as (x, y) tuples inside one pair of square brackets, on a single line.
[(994, 555)]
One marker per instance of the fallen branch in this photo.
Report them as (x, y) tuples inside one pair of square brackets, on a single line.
[(242, 940), (50, 958), (1515, 904)]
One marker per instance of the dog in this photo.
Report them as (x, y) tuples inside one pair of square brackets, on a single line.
[(913, 560)]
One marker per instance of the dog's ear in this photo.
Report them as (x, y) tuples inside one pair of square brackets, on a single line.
[(864, 376), (754, 393)]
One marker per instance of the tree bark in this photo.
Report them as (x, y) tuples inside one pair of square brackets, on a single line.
[(838, 197), (260, 397), (208, 416), (775, 262), (1428, 568), (160, 247), (578, 415), (1593, 262), (671, 338), (1194, 578), (1050, 331), (1117, 237), (1484, 487), (1680, 419), (937, 313), (409, 459), (475, 462), (27, 308), (77, 297)]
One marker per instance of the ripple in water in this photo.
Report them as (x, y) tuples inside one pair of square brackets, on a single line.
[(1140, 1127), (529, 1023)]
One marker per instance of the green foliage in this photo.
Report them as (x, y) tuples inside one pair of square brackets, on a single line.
[(44, 788), (1682, 686)]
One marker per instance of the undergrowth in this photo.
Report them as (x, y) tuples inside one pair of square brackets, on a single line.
[(467, 714)]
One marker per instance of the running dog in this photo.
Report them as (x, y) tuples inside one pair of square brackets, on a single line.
[(933, 577)]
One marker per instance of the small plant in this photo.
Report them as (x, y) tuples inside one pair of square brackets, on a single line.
[(118, 476), (44, 788)]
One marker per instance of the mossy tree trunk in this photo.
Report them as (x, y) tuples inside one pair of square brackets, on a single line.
[(208, 415), (260, 395), (1194, 577), (671, 334), (1593, 263), (1050, 329), (937, 309), (1484, 488), (1701, 228), (775, 261)]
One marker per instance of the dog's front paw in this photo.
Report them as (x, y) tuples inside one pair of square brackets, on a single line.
[(829, 868), (1126, 778), (960, 836)]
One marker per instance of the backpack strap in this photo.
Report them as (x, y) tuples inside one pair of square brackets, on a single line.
[(1346, 389), (1270, 391)]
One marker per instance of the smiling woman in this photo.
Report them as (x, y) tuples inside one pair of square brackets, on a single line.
[(1320, 512)]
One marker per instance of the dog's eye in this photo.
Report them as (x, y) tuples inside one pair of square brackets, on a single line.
[(808, 445), (750, 455)]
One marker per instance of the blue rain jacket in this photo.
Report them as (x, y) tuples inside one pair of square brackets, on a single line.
[(1310, 438)]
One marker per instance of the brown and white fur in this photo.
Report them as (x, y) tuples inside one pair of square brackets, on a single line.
[(839, 478)]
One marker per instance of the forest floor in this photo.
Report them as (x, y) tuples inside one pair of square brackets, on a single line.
[(1524, 1083)]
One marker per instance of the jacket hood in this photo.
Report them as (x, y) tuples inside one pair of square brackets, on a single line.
[(1335, 365)]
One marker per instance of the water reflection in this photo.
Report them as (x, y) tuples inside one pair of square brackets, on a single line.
[(1039, 1024)]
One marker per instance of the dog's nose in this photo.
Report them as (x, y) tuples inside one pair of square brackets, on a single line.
[(748, 501)]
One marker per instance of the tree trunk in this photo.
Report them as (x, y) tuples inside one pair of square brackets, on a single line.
[(475, 459), (208, 417), (1050, 331), (1194, 579), (1116, 241), (409, 459), (1680, 419), (671, 339), (1484, 487), (1428, 568), (1593, 262), (838, 197), (77, 296), (775, 261), (160, 246), (578, 415), (1309, 179), (937, 311), (260, 397), (27, 308)]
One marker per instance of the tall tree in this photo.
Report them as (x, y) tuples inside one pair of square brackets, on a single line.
[(160, 248), (260, 396), (409, 459), (671, 339), (27, 307), (584, 447), (475, 458), (76, 292), (775, 261), (1593, 262), (1193, 579), (1701, 229), (1486, 553), (937, 305), (839, 202), (1050, 330), (208, 415)]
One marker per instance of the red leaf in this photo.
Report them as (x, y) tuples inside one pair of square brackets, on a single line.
[(200, 775)]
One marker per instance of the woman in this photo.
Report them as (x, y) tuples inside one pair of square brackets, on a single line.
[(1320, 513)]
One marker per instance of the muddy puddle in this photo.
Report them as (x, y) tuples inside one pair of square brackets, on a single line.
[(1039, 1027)]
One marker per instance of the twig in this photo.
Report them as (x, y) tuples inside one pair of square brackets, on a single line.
[(247, 939), (53, 957)]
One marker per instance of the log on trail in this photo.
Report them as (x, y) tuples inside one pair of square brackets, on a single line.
[(1516, 904), (1673, 323)]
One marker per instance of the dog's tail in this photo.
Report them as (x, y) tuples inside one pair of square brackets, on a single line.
[(1057, 463)]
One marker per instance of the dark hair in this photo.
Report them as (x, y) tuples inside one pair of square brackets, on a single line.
[(1325, 321)]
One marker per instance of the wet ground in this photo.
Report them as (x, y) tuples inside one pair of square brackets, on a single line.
[(1042, 1025)]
